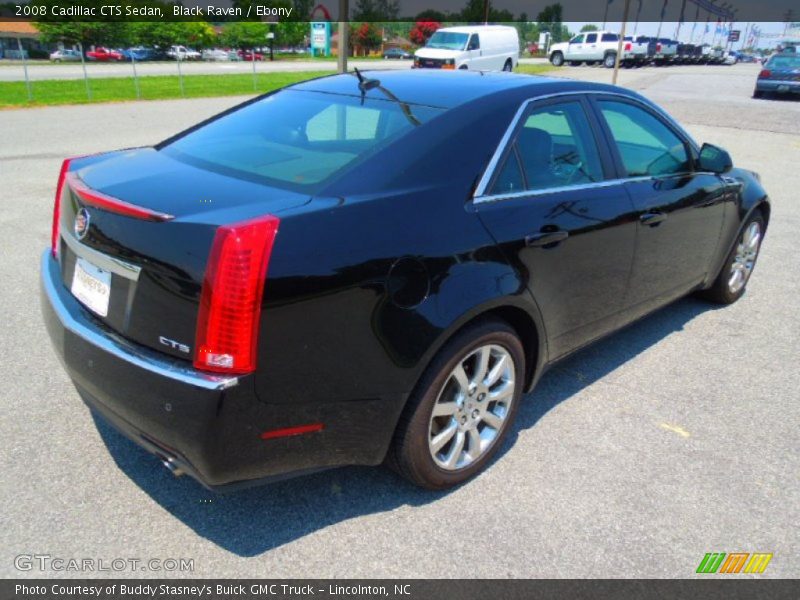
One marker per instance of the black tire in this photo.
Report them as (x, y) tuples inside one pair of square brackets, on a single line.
[(758, 94), (720, 291), (410, 454), (508, 67), (609, 60), (557, 59)]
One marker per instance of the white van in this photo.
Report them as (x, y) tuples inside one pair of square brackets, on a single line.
[(477, 47)]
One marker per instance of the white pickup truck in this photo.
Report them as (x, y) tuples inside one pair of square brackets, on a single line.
[(666, 51), (590, 47)]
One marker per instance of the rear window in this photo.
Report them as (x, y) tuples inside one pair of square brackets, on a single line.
[(784, 61), (297, 139)]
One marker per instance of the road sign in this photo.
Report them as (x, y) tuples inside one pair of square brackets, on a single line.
[(733, 36)]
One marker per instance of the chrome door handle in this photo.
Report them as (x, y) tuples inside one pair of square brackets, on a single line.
[(652, 219), (538, 240)]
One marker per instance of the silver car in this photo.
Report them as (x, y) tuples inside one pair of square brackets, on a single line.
[(65, 55)]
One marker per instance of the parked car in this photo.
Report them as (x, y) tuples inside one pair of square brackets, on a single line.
[(666, 51), (591, 47), (65, 55), (638, 50), (215, 54), (138, 54), (397, 53), (476, 47), (318, 308), (250, 55), (781, 74), (103, 55), (182, 53)]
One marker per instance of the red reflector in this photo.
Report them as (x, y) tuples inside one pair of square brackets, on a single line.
[(764, 74), (290, 431), (230, 302), (111, 204), (57, 208)]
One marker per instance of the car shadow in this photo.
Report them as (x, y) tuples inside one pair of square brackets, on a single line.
[(252, 521)]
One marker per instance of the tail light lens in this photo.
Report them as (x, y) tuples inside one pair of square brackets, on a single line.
[(230, 302), (62, 176), (765, 73), (628, 47), (658, 49)]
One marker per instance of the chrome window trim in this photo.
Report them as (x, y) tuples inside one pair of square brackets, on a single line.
[(70, 314), (479, 195), (98, 259)]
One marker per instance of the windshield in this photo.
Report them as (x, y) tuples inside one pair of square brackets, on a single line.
[(296, 139), (448, 40), (784, 61)]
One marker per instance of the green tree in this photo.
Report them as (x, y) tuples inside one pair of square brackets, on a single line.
[(376, 10), (244, 34), (85, 33), (589, 27), (290, 33), (475, 12)]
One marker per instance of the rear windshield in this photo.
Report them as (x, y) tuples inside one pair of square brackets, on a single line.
[(297, 139), (448, 40), (784, 61)]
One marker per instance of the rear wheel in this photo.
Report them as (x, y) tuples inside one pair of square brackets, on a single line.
[(731, 282), (609, 60), (557, 59), (508, 66), (462, 408), (758, 94)]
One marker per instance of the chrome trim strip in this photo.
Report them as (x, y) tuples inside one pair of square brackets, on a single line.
[(105, 262), (479, 193), (69, 313)]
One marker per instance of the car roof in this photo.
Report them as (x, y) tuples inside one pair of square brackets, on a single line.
[(475, 28), (448, 89)]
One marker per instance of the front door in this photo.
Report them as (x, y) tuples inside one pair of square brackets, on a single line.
[(564, 225), (679, 210), (575, 48)]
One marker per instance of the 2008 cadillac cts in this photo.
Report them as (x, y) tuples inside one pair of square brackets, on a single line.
[(358, 270)]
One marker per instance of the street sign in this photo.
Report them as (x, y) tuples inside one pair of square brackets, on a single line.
[(734, 35)]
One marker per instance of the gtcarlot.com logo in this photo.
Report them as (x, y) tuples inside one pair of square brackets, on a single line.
[(48, 562), (735, 562)]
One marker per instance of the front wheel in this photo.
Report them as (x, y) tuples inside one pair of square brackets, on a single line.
[(462, 408), (731, 282), (557, 59)]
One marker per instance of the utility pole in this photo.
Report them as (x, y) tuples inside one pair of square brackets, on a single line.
[(344, 42), (619, 44)]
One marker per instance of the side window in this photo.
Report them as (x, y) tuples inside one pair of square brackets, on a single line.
[(343, 122), (647, 146), (474, 42), (611, 37), (510, 178), (591, 38), (578, 39), (556, 147)]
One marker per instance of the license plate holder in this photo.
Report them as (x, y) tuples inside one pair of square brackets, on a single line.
[(91, 285)]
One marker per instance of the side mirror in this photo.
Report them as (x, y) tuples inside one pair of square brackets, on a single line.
[(714, 159)]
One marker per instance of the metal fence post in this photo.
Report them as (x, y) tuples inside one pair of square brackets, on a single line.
[(180, 73), (253, 60), (85, 75), (25, 68), (135, 77)]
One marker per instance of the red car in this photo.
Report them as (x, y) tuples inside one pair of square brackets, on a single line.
[(249, 55), (103, 54)]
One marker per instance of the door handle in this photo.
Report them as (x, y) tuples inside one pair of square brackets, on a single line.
[(537, 240), (651, 219)]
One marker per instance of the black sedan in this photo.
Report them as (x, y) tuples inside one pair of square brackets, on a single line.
[(397, 53), (375, 269)]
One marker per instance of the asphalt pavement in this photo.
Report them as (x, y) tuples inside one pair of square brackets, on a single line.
[(676, 437)]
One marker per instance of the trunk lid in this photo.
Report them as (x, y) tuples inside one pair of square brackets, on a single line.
[(153, 270)]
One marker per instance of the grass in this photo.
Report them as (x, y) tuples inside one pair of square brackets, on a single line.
[(51, 92)]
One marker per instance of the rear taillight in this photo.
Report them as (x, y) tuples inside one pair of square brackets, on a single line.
[(628, 47), (62, 176), (658, 49), (765, 73), (230, 302)]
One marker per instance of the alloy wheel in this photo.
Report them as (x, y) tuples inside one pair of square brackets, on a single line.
[(745, 257), (472, 407)]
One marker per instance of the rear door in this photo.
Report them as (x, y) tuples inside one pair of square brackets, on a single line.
[(561, 221), (679, 210)]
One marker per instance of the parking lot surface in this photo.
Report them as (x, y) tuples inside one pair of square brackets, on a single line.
[(673, 438)]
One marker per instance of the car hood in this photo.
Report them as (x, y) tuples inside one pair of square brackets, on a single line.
[(561, 46)]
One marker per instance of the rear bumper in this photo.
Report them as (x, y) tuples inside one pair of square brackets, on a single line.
[(775, 85), (207, 426)]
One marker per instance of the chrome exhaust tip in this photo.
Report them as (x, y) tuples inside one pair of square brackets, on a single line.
[(171, 466)]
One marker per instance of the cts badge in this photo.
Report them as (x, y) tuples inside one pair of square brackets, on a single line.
[(173, 344), (81, 226)]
